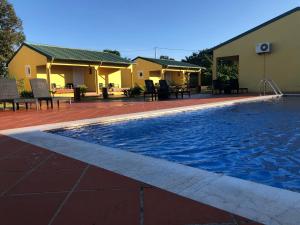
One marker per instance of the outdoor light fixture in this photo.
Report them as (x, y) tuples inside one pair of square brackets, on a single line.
[(90, 70)]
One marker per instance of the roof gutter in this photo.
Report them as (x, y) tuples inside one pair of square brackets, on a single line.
[(186, 67)]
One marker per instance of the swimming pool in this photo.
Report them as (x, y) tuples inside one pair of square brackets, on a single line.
[(258, 141)]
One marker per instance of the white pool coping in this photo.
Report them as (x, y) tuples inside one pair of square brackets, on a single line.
[(258, 202)]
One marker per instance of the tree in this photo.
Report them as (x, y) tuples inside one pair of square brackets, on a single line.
[(115, 52), (203, 58), (11, 34), (227, 69)]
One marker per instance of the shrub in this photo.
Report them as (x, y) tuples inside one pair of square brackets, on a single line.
[(227, 71), (26, 94), (135, 91)]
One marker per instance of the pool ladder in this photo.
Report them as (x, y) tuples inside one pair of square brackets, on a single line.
[(271, 83)]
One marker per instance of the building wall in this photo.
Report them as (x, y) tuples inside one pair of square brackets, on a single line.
[(177, 77), (281, 65), (126, 78), (115, 78), (63, 74), (110, 75), (145, 67), (60, 75), (26, 56), (152, 71), (155, 76)]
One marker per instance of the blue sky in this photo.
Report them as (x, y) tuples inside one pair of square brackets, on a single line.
[(135, 27)]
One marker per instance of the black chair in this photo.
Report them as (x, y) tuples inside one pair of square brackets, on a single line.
[(228, 86), (234, 85), (164, 91), (217, 86), (150, 89)]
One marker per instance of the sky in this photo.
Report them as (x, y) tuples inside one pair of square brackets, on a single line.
[(136, 27)]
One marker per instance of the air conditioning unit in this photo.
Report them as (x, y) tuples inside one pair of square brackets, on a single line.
[(263, 48)]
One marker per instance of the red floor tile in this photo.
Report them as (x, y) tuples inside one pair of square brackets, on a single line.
[(97, 178), (8, 147), (109, 207), (60, 162), (23, 160), (165, 208), (8, 179), (29, 210), (50, 181)]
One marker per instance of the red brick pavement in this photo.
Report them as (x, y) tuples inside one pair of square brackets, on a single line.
[(39, 187), (77, 111)]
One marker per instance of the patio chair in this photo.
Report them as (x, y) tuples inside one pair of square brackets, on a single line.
[(9, 94), (150, 89), (165, 91), (217, 86), (234, 85), (40, 90), (184, 90)]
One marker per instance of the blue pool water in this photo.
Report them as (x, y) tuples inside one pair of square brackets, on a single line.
[(258, 141)]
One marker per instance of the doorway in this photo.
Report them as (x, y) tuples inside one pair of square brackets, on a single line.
[(78, 76)]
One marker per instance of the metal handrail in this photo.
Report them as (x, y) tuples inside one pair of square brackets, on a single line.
[(273, 86), (276, 86)]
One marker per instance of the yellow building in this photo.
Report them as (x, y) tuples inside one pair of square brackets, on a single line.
[(175, 72), (280, 62), (66, 67)]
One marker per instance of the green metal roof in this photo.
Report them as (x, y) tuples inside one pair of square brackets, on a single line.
[(171, 63), (80, 55), (258, 27)]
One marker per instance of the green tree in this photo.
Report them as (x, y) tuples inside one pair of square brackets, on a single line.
[(11, 34), (115, 52), (203, 58), (226, 70)]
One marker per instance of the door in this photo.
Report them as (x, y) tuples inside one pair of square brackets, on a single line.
[(78, 76), (168, 77)]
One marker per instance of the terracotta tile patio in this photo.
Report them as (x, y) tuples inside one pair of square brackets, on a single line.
[(85, 110), (39, 187)]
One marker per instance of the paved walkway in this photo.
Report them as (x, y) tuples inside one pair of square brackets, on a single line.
[(76, 111), (39, 187)]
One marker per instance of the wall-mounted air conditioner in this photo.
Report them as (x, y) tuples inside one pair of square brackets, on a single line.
[(263, 48)]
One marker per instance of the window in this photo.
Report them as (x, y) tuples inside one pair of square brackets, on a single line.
[(27, 71), (140, 74)]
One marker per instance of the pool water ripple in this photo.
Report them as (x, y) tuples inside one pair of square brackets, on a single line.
[(255, 141)]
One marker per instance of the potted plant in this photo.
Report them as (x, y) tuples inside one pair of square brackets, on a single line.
[(83, 89)]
